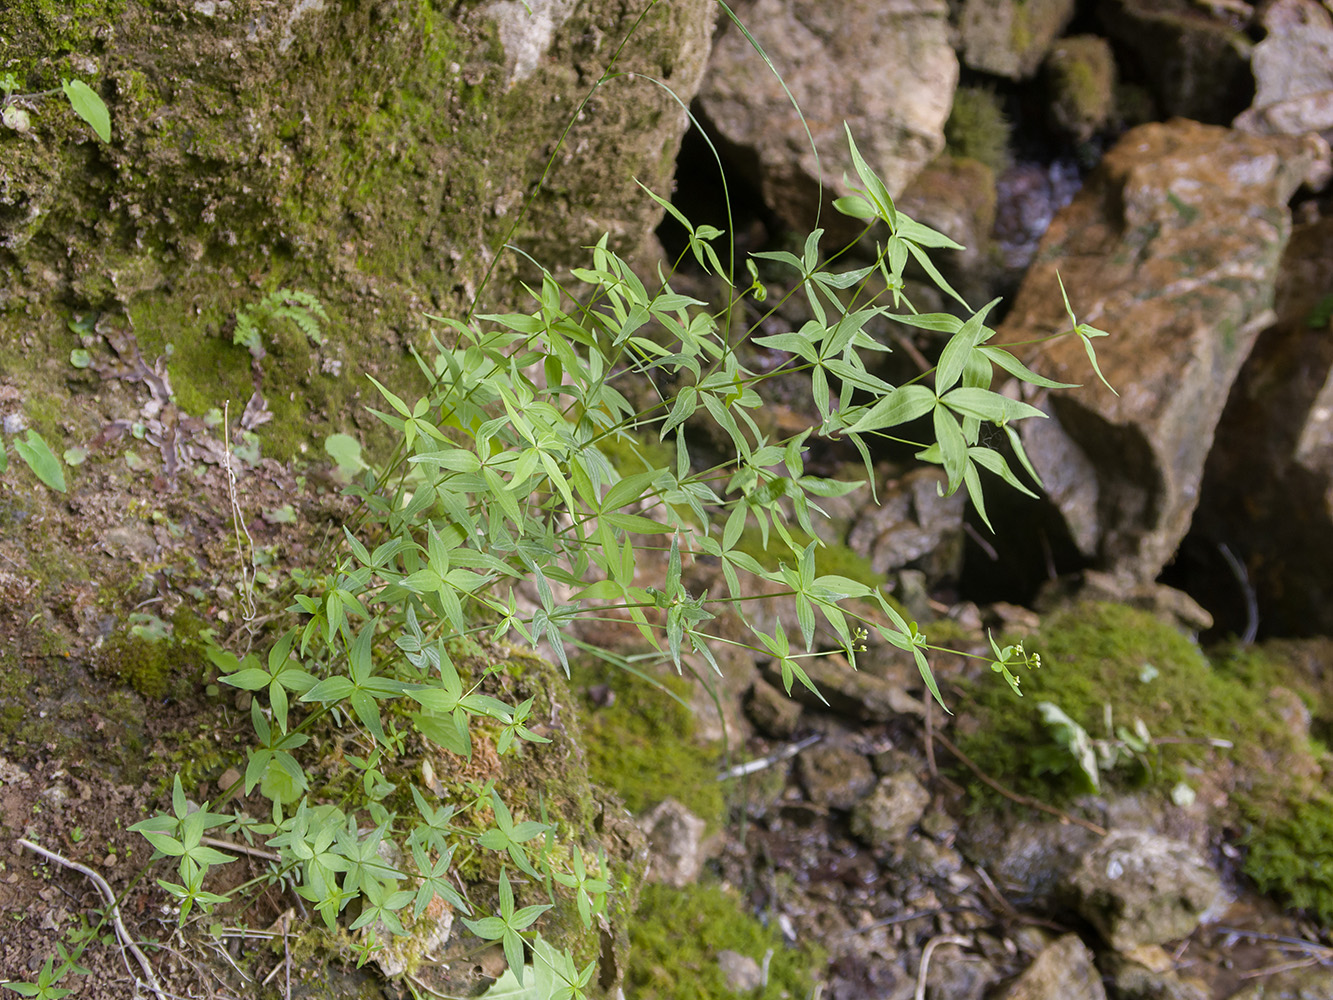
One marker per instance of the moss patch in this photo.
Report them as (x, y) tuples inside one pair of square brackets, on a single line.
[(1096, 655), (678, 933), (641, 745), (977, 128)]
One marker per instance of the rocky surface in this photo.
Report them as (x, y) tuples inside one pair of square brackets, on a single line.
[(1010, 38), (1293, 71), (384, 174), (1267, 491), (1175, 243), (893, 86)]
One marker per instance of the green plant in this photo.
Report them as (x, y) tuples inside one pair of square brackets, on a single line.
[(499, 478), (82, 98), (300, 308), (500, 482)]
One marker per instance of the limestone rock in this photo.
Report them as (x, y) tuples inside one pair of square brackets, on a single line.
[(863, 694), (1082, 76), (1197, 58), (956, 196), (1140, 888), (1063, 971), (888, 814), (912, 522), (1268, 485), (887, 69), (773, 713), (955, 974), (835, 776), (1011, 37), (675, 843), (1293, 71), (1172, 247)]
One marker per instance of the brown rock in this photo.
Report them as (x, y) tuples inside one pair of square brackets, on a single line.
[(1172, 247)]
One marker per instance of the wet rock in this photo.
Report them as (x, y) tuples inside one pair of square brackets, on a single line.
[(676, 843), (912, 522), (1081, 75), (1196, 55), (888, 814), (1172, 247), (835, 776), (772, 712), (886, 69), (1293, 71), (1267, 488), (1063, 971), (1141, 888), (741, 972), (1011, 37)]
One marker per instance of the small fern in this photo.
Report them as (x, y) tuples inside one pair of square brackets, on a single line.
[(301, 308)]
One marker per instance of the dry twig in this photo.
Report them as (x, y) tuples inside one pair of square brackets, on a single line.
[(107, 893)]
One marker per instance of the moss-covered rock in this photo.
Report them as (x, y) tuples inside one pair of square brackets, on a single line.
[(1097, 657), (678, 934), (373, 154)]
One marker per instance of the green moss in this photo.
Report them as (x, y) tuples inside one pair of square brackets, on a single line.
[(1290, 852), (676, 937), (1095, 655), (149, 657), (978, 129), (642, 745)]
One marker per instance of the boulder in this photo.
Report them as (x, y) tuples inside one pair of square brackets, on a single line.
[(1196, 55), (835, 776), (1268, 484), (956, 195), (676, 843), (1062, 971), (888, 814), (1010, 37), (1293, 71), (1139, 888), (1172, 247), (887, 69), (1081, 76)]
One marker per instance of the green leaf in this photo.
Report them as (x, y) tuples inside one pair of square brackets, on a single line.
[(987, 405), (41, 461), (88, 106), (345, 451), (904, 404)]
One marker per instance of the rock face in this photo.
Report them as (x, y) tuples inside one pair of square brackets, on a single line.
[(911, 522), (675, 838), (1011, 37), (373, 153), (1142, 888), (1063, 971), (1293, 71), (891, 810), (887, 69), (1268, 484), (1172, 247), (1196, 56)]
